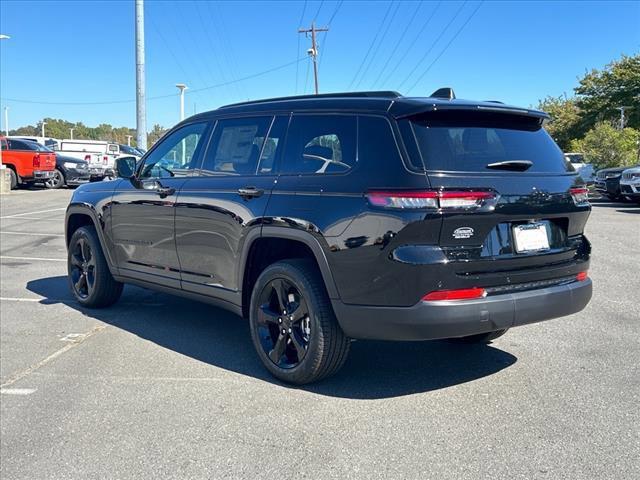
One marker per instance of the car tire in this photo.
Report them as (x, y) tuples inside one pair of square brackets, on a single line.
[(305, 344), (55, 182), (13, 178), (481, 338), (89, 277)]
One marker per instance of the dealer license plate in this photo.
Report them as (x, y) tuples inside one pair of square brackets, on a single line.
[(531, 237)]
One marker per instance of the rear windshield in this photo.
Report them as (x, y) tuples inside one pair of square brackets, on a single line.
[(463, 141)]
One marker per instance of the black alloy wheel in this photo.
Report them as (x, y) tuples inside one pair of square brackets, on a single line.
[(83, 268), (284, 326)]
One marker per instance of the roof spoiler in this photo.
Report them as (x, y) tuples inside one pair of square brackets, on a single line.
[(445, 93)]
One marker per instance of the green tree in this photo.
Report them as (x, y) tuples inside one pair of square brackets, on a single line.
[(607, 146), (565, 119), (601, 92), (154, 135)]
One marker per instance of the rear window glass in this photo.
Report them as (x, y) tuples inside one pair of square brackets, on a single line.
[(470, 141)]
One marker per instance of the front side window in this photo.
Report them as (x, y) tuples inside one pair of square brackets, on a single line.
[(321, 144), (177, 154), (236, 146)]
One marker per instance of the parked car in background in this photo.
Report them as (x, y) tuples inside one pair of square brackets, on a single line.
[(28, 162), (358, 215), (630, 184), (607, 182), (585, 170), (130, 151), (70, 171), (99, 154), (50, 142)]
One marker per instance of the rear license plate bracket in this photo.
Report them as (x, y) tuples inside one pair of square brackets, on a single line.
[(531, 237)]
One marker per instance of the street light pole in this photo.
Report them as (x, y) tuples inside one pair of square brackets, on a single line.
[(43, 124), (129, 140), (71, 133), (182, 87), (141, 110)]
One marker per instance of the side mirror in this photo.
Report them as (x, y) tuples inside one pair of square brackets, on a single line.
[(125, 167)]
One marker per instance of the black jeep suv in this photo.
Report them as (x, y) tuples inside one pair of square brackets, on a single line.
[(345, 216)]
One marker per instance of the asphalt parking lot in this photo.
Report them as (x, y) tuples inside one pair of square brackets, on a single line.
[(161, 387)]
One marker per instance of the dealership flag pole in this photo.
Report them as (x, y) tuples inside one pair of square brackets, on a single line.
[(141, 114)]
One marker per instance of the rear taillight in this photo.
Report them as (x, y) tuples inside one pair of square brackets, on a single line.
[(461, 294), (434, 199), (580, 196), (105, 159), (582, 276), (87, 158), (36, 161)]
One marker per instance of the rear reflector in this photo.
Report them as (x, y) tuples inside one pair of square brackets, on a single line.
[(435, 199), (463, 294), (582, 276), (580, 196)]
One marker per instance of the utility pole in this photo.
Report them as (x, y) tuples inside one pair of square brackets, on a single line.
[(141, 108), (6, 121), (71, 133), (182, 87), (313, 51)]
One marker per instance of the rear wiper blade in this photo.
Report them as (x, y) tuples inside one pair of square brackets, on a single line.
[(515, 165)]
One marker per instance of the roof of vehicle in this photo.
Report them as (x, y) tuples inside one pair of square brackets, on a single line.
[(370, 102)]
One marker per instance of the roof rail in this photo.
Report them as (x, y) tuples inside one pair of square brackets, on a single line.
[(446, 93), (371, 94)]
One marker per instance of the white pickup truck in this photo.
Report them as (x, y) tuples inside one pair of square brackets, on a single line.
[(100, 155)]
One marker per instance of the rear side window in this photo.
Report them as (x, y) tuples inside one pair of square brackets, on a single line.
[(470, 141), (236, 146), (320, 144), (376, 144), (21, 145)]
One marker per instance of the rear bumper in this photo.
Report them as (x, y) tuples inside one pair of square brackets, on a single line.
[(447, 319), (42, 174)]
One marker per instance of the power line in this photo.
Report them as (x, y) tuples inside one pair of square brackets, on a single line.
[(323, 50), (157, 97), (371, 46), (384, 35), (413, 42), (318, 11), (304, 9), (444, 30), (446, 47), (414, 15)]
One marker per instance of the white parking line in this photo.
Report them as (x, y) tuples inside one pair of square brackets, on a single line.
[(34, 300), (39, 259), (34, 234), (17, 391), (34, 213), (13, 379)]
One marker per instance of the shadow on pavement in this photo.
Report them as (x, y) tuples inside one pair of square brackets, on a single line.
[(217, 337)]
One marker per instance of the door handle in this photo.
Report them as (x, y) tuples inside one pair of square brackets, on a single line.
[(250, 192), (165, 191)]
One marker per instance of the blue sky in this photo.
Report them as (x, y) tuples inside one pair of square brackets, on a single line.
[(78, 52)]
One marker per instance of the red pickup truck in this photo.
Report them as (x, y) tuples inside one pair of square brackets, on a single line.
[(27, 161)]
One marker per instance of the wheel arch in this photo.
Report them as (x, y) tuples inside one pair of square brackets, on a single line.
[(282, 243), (80, 215)]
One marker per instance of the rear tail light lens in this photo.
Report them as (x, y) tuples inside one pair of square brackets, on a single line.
[(582, 276), (105, 159), (36, 161), (580, 196), (462, 294), (87, 158), (434, 199)]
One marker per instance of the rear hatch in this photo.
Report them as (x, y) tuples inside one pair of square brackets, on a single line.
[(513, 209)]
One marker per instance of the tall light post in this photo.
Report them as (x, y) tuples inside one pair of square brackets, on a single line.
[(6, 121), (128, 140), (141, 107), (43, 124), (71, 133), (182, 87)]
